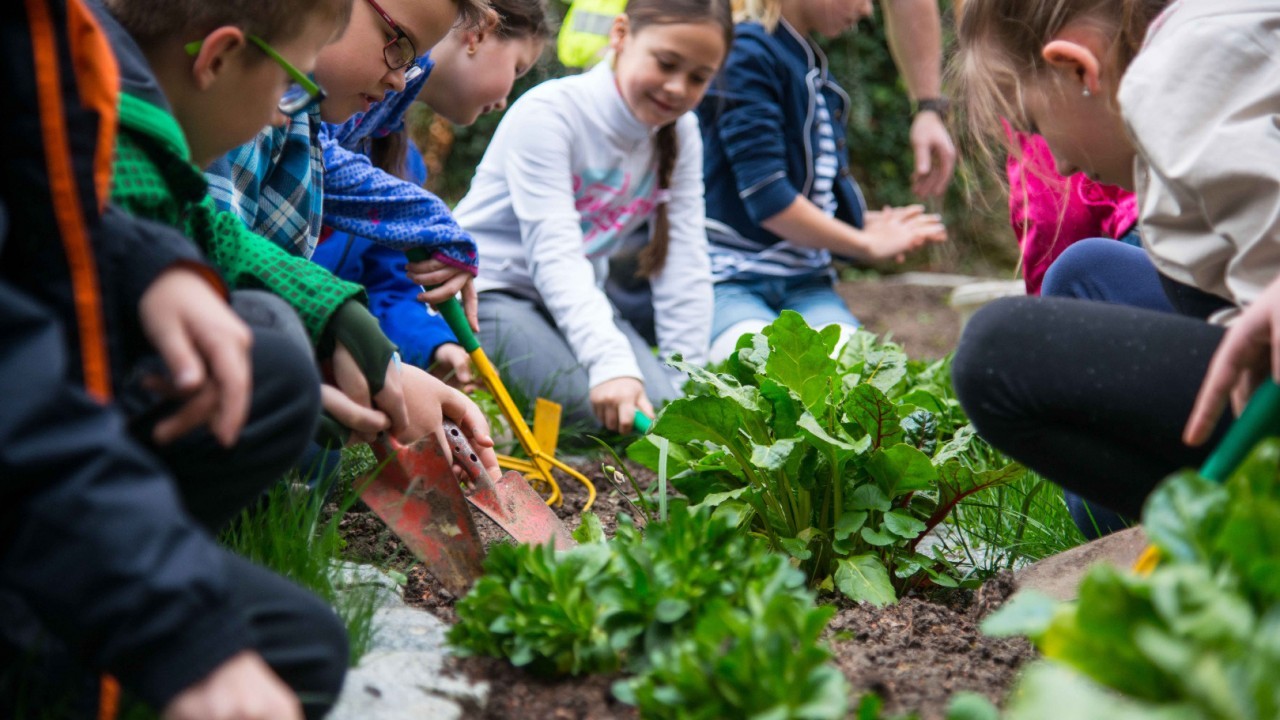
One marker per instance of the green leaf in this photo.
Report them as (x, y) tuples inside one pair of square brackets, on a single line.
[(590, 530), (903, 525), (796, 548), (721, 385), (956, 482), (1178, 512), (715, 419), (902, 469), (869, 497), (774, 457), (864, 578), (670, 610), (877, 537), (868, 408), (1026, 613), (800, 358), (971, 706), (850, 523)]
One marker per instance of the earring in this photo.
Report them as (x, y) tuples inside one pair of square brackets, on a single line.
[(1086, 93)]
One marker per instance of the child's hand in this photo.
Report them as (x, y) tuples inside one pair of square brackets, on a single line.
[(1248, 351), (244, 687), (441, 282), (430, 400), (364, 422), (451, 364), (615, 403), (205, 346), (894, 232), (390, 400)]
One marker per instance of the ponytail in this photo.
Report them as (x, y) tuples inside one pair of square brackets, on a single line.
[(654, 256)]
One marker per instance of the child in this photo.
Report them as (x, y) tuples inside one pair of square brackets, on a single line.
[(470, 72), (575, 165), (780, 199), (1097, 396), (369, 389), (134, 585)]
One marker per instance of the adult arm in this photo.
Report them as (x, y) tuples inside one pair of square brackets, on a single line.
[(914, 29)]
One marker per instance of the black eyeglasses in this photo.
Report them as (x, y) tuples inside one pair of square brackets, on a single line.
[(399, 52), (302, 93)]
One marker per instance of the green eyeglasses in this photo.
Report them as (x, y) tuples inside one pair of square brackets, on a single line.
[(302, 94)]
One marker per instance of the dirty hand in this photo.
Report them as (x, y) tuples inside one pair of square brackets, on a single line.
[(1248, 351), (390, 400), (894, 232), (242, 688), (451, 364), (615, 403), (442, 282), (205, 347), (935, 155)]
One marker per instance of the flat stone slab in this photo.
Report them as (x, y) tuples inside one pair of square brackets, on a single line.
[(403, 676), (1059, 576)]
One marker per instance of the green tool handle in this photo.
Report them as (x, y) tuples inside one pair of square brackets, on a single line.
[(1261, 418), (642, 423), (451, 309)]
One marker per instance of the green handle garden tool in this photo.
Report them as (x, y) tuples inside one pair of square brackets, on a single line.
[(1260, 419), (541, 463)]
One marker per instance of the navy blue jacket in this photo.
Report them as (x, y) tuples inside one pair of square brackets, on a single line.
[(760, 133)]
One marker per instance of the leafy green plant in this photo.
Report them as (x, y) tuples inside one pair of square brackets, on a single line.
[(1197, 638), (845, 462), (633, 603)]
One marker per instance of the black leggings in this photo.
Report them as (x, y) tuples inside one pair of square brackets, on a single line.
[(1090, 395)]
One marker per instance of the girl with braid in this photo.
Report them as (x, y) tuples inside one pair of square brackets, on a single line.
[(576, 165)]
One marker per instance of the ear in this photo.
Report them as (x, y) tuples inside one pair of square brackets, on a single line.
[(472, 39), (216, 51), (1077, 60), (618, 33)]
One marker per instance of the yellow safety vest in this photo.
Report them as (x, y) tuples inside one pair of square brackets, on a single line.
[(584, 36)]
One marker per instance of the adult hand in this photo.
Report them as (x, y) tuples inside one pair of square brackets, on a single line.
[(935, 155), (205, 347), (441, 282), (1248, 351), (390, 400), (615, 403), (894, 232), (451, 364), (242, 688)]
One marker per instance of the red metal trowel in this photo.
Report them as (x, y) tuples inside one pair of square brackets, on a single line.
[(417, 496)]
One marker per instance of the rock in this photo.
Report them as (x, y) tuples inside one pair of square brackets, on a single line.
[(402, 677), (353, 576), (1059, 576)]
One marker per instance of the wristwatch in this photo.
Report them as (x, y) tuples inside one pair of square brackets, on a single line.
[(940, 105)]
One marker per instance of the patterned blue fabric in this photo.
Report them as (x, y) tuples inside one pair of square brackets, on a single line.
[(383, 118), (271, 181)]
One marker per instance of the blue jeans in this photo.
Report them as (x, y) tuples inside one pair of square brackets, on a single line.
[(764, 299)]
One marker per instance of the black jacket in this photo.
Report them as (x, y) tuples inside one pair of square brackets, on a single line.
[(93, 537)]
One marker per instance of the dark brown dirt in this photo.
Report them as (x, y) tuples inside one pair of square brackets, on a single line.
[(917, 317), (916, 654)]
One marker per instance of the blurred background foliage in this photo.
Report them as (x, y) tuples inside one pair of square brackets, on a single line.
[(975, 206)]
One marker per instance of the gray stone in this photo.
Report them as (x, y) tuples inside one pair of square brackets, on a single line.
[(352, 576), (1059, 576), (402, 677)]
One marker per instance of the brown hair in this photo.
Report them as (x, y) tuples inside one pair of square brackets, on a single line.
[(1000, 44), (640, 15), (765, 12), (152, 21)]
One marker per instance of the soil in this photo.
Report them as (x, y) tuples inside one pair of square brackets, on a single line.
[(915, 655)]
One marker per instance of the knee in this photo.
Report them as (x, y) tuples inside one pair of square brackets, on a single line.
[(319, 683), (1080, 263), (286, 385), (984, 348)]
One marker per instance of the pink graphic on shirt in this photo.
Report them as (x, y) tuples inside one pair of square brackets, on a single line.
[(608, 202)]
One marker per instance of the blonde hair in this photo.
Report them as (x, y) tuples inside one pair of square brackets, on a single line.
[(765, 12), (1000, 45)]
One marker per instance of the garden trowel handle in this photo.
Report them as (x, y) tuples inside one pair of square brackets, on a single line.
[(642, 423), (450, 309), (1261, 418), (465, 456)]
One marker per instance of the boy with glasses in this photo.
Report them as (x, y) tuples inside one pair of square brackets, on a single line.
[(222, 89)]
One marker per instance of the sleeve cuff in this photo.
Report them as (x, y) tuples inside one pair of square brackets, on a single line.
[(766, 200)]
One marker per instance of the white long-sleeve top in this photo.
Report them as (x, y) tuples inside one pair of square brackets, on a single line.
[(569, 173), (1202, 104)]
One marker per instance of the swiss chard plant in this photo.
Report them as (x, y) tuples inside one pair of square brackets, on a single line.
[(1199, 637), (844, 463), (652, 603)]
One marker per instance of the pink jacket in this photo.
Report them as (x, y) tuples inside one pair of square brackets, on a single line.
[(1049, 212)]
